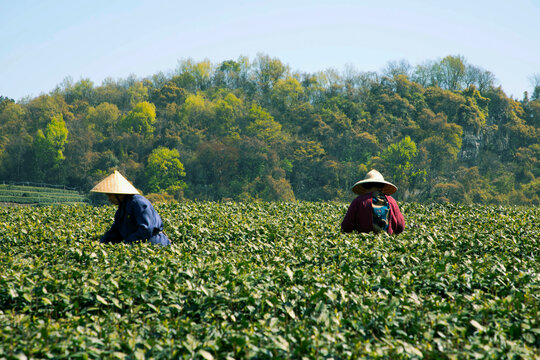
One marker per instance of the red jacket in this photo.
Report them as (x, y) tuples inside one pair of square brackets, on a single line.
[(359, 217)]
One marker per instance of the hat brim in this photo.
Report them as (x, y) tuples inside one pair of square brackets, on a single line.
[(118, 192), (388, 188)]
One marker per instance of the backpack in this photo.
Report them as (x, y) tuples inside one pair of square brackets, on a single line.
[(381, 212)]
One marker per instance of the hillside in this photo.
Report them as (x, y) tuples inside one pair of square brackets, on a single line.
[(244, 130)]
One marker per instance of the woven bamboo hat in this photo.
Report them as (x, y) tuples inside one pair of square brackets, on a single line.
[(115, 184), (374, 177)]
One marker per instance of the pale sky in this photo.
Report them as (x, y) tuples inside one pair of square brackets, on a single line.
[(44, 41)]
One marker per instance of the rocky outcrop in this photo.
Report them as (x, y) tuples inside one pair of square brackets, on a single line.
[(470, 147), (490, 138)]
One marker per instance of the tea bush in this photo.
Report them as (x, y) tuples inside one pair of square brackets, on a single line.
[(271, 280)]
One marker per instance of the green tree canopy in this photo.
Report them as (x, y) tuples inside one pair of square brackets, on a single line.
[(397, 163), (263, 126), (103, 118), (140, 120), (164, 171), (51, 142), (49, 148)]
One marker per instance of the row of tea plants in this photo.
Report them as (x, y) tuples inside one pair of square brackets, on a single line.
[(271, 280)]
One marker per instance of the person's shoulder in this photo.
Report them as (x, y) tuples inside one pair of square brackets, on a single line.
[(391, 200), (139, 200), (361, 198)]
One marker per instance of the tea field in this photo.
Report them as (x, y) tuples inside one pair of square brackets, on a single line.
[(271, 280), (39, 195)]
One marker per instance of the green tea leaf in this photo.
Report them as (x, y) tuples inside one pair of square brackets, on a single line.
[(101, 300), (205, 354)]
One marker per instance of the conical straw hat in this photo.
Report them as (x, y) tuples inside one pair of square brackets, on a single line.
[(374, 177), (115, 184)]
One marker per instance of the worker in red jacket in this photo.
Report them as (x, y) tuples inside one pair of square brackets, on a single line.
[(374, 209)]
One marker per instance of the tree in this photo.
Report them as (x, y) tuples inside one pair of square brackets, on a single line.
[(137, 93), (397, 163), (531, 193), (441, 139), (15, 142), (49, 147), (227, 112), (410, 91), (169, 93), (52, 141), (40, 110), (533, 113), (334, 129), (441, 154), (527, 162), (197, 111), (307, 177), (263, 126), (286, 94), (140, 120), (267, 72), (4, 101), (476, 188), (104, 118), (270, 189), (395, 68), (234, 75), (452, 72), (482, 79), (446, 192), (194, 76), (468, 109), (164, 171), (426, 74), (213, 171), (80, 155), (112, 92)]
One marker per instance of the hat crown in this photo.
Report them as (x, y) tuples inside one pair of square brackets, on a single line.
[(115, 184), (374, 176)]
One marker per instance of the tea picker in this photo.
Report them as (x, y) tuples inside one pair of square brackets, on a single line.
[(136, 219), (374, 209)]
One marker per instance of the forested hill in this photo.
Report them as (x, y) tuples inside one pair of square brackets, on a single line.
[(249, 129)]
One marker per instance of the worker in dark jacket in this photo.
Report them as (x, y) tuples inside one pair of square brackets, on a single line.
[(135, 220), (374, 209)]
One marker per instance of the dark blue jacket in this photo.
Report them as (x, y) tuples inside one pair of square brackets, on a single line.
[(136, 220)]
